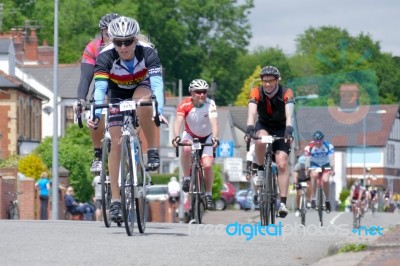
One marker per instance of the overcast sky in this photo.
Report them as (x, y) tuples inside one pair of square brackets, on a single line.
[(277, 23)]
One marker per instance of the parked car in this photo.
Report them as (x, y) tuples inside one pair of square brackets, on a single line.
[(244, 200), (227, 197), (157, 192)]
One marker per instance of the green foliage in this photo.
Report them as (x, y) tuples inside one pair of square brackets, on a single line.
[(32, 166), (352, 248), (161, 179), (75, 154), (218, 181), (252, 82), (10, 162), (344, 194)]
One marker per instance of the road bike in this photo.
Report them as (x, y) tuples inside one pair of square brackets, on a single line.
[(267, 191), (13, 208), (303, 201), (356, 208), (197, 189), (321, 198), (133, 176)]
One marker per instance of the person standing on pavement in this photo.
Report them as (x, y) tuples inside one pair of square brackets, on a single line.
[(43, 185)]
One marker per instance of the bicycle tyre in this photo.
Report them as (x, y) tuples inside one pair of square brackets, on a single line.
[(269, 208), (303, 210), (320, 198), (13, 212), (274, 193), (127, 189), (105, 183), (140, 200), (197, 202), (261, 205)]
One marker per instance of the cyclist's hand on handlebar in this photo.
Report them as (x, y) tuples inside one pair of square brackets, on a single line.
[(215, 142), (93, 124), (160, 119), (289, 133), (175, 141), (249, 133)]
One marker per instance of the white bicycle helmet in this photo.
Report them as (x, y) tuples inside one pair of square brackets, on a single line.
[(198, 84), (124, 28)]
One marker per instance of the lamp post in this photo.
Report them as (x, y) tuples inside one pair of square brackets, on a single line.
[(364, 138)]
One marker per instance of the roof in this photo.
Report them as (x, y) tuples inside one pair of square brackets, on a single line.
[(68, 77), (344, 129), (239, 116), (5, 45), (8, 82)]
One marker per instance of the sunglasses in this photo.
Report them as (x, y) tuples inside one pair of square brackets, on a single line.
[(127, 43), (200, 92), (268, 80)]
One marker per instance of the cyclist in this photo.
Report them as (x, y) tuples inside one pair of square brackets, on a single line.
[(88, 62), (357, 195), (274, 105), (174, 189), (320, 153), (300, 175), (128, 68), (200, 116)]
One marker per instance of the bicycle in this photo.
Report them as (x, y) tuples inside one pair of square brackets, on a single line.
[(13, 208), (173, 200), (268, 191), (133, 177), (321, 198), (355, 205), (303, 201), (197, 186)]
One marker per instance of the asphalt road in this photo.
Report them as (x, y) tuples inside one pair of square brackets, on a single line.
[(217, 242)]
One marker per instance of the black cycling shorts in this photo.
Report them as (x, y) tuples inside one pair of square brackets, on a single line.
[(115, 118), (279, 145)]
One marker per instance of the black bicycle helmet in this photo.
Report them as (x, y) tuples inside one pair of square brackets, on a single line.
[(106, 19), (318, 135), (270, 71)]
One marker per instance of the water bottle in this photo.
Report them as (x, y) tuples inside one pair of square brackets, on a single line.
[(274, 169)]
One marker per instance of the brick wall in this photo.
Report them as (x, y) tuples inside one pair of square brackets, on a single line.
[(26, 199)]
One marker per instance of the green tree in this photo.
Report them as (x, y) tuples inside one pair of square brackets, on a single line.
[(218, 181), (248, 84), (75, 154)]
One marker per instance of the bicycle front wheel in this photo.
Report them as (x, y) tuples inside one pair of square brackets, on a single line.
[(140, 201), (13, 212), (320, 198), (127, 190), (105, 182), (197, 195)]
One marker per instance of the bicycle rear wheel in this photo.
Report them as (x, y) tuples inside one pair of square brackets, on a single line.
[(105, 182), (140, 200), (127, 190), (320, 198), (14, 212)]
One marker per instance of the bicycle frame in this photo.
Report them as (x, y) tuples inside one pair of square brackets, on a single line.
[(13, 208)]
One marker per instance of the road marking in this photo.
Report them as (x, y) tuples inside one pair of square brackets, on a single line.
[(337, 216)]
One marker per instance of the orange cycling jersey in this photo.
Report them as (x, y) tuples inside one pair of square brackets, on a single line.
[(271, 111)]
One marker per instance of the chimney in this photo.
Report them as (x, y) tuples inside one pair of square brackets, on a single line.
[(349, 97), (31, 46)]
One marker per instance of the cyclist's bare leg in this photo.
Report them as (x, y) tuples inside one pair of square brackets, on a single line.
[(207, 163), (145, 113), (186, 159), (325, 179), (97, 134), (283, 172), (313, 183), (260, 148), (114, 161)]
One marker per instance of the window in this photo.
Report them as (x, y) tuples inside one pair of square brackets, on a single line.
[(69, 115), (390, 155)]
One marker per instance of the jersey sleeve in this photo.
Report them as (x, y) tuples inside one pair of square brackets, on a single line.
[(212, 111), (254, 96), (289, 96), (153, 65)]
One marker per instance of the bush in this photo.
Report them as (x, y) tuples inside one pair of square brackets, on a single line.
[(342, 197), (32, 166)]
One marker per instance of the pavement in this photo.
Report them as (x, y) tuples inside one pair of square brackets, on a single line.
[(382, 250)]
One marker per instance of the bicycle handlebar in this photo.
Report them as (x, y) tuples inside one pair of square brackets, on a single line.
[(264, 139), (195, 145)]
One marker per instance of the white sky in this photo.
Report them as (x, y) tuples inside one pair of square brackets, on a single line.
[(278, 23)]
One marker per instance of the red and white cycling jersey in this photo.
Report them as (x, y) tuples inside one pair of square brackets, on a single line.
[(197, 119)]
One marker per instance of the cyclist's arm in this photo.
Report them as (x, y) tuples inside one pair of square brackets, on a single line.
[(251, 114), (177, 125), (99, 94), (87, 71), (289, 111), (157, 87)]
